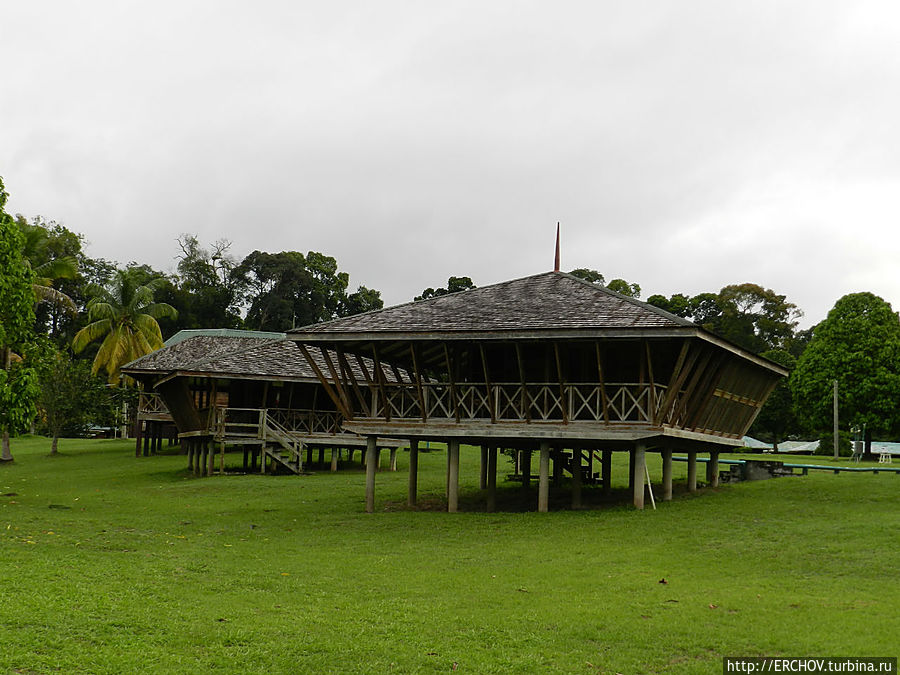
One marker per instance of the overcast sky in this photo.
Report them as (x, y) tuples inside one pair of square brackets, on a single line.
[(682, 145)]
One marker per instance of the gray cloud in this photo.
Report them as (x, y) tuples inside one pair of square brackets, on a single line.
[(684, 146)]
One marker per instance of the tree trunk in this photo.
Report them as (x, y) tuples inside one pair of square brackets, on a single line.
[(54, 444), (7, 455)]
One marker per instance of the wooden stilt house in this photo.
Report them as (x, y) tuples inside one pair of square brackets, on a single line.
[(549, 363), (247, 389)]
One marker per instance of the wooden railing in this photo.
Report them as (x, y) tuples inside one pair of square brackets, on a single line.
[(152, 404), (611, 403), (252, 422)]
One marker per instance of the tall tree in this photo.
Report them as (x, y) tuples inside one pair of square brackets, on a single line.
[(858, 344), (124, 317), (17, 380), (287, 289), (623, 287), (454, 285)]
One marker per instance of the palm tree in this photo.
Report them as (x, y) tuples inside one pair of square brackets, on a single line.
[(46, 268), (124, 317)]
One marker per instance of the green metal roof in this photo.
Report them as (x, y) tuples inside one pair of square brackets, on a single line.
[(221, 332)]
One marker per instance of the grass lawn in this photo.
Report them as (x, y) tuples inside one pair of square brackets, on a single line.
[(113, 564)]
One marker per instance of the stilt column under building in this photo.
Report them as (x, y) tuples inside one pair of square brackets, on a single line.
[(453, 477), (544, 480), (638, 463), (371, 449), (576, 478), (692, 471), (492, 479), (413, 472), (667, 475)]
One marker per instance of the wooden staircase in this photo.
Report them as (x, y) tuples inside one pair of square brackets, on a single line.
[(280, 446), (255, 426)]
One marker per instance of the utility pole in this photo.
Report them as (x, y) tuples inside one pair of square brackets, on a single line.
[(836, 432)]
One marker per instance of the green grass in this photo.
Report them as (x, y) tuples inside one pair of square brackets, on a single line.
[(113, 564)]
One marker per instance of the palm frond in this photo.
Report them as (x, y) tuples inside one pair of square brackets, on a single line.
[(90, 333)]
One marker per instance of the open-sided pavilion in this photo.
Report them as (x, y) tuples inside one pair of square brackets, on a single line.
[(228, 387), (548, 362)]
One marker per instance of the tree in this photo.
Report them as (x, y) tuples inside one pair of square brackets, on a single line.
[(124, 316), (17, 388), (625, 288), (203, 290), (454, 285), (592, 276), (678, 304), (69, 395), (46, 264), (287, 289), (618, 285), (858, 344), (777, 419)]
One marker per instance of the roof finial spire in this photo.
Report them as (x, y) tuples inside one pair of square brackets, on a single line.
[(556, 260)]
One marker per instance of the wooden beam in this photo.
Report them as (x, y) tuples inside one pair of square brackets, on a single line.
[(379, 377), (338, 402), (351, 378), (679, 373), (603, 400), (526, 401), (692, 470), (492, 403), (338, 384), (418, 376), (563, 403), (451, 376)]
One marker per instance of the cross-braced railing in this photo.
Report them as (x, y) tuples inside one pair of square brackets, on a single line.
[(549, 401), (151, 403)]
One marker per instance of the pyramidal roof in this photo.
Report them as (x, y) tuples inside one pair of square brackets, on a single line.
[(548, 301)]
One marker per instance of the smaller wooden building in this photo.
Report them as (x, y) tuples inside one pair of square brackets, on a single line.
[(245, 388)]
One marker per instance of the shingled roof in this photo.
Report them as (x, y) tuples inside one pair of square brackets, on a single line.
[(552, 300), (228, 356)]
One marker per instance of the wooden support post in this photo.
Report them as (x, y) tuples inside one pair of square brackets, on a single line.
[(483, 468), (667, 475), (692, 471), (335, 453), (453, 477), (309, 455), (526, 469), (371, 463), (630, 470), (639, 459), (189, 448), (378, 459), (137, 437), (590, 464), (157, 438), (222, 458), (557, 456), (413, 472), (714, 468), (245, 463), (262, 458), (576, 478), (544, 480), (606, 472), (211, 457), (393, 459), (147, 432), (321, 462), (492, 479)]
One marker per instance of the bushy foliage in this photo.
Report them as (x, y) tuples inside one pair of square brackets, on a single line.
[(858, 345)]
